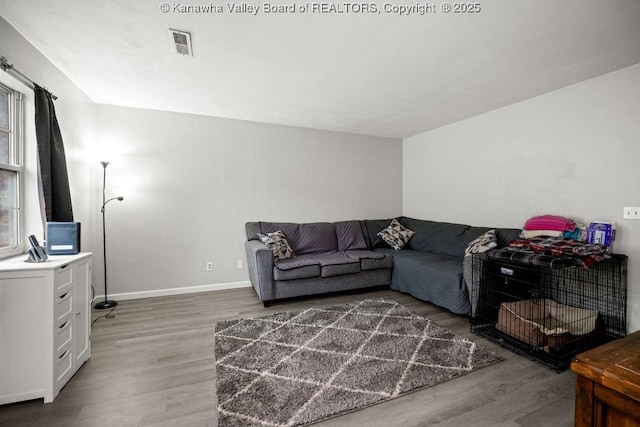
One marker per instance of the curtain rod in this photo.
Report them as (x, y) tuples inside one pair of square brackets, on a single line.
[(9, 68)]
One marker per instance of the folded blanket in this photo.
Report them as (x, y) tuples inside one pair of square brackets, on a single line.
[(550, 222), (585, 254), (527, 256), (560, 246), (530, 234)]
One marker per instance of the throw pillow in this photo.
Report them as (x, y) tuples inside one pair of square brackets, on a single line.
[(396, 235), (482, 243), (278, 244)]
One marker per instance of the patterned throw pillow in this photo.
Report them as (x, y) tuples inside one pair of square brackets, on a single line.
[(396, 235), (278, 244), (482, 243)]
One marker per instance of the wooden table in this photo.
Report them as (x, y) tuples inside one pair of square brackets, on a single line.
[(608, 384)]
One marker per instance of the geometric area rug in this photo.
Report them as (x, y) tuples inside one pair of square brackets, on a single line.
[(301, 367)]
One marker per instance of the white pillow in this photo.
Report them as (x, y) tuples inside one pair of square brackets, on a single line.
[(278, 244), (396, 235), (482, 243)]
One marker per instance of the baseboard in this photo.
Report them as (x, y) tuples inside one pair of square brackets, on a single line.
[(173, 291)]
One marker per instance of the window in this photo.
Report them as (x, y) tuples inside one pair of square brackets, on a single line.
[(11, 134)]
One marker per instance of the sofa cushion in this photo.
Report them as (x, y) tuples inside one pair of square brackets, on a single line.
[(306, 238), (370, 260), (372, 228), (429, 266), (396, 235), (364, 254), (430, 276), (337, 263), (339, 269), (300, 267), (332, 258), (349, 235), (278, 244), (305, 272), (297, 262), (438, 237), (252, 229), (291, 230), (375, 264), (317, 237), (325, 264)]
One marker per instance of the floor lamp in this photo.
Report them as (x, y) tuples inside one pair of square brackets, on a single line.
[(107, 303)]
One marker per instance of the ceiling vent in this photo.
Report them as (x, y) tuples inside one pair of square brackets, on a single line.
[(181, 42)]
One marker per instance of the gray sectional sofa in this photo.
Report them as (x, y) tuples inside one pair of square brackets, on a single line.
[(350, 255), (432, 265), (329, 257)]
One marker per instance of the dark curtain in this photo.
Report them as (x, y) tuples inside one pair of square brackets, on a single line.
[(53, 164)]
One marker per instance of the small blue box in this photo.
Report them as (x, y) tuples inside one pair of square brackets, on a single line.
[(603, 233), (63, 238)]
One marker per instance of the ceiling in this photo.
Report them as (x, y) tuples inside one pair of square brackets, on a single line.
[(374, 74)]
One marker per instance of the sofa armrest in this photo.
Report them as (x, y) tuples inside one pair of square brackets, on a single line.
[(471, 272), (260, 266)]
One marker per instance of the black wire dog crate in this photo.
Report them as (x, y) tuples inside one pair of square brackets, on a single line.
[(549, 314)]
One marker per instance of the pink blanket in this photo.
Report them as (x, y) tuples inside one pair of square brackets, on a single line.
[(550, 222)]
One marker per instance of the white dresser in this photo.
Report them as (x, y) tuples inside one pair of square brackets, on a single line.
[(45, 314)]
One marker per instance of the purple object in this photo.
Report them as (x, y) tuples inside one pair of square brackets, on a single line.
[(349, 234)]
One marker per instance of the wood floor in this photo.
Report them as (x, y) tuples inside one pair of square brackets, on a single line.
[(152, 365)]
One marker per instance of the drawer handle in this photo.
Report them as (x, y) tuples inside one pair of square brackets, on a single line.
[(507, 271), (63, 355), (62, 267), (78, 313), (63, 296), (64, 325)]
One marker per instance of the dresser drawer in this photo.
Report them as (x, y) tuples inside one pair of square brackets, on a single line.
[(63, 336), (63, 278), (64, 364), (64, 307)]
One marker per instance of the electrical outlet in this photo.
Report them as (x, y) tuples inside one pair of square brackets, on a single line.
[(631, 212), (210, 266), (240, 264)]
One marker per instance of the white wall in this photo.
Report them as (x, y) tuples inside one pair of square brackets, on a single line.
[(573, 152), (75, 116), (191, 182)]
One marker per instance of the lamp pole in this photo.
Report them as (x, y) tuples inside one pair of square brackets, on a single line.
[(107, 303)]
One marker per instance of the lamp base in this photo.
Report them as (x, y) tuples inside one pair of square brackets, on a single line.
[(103, 305)]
